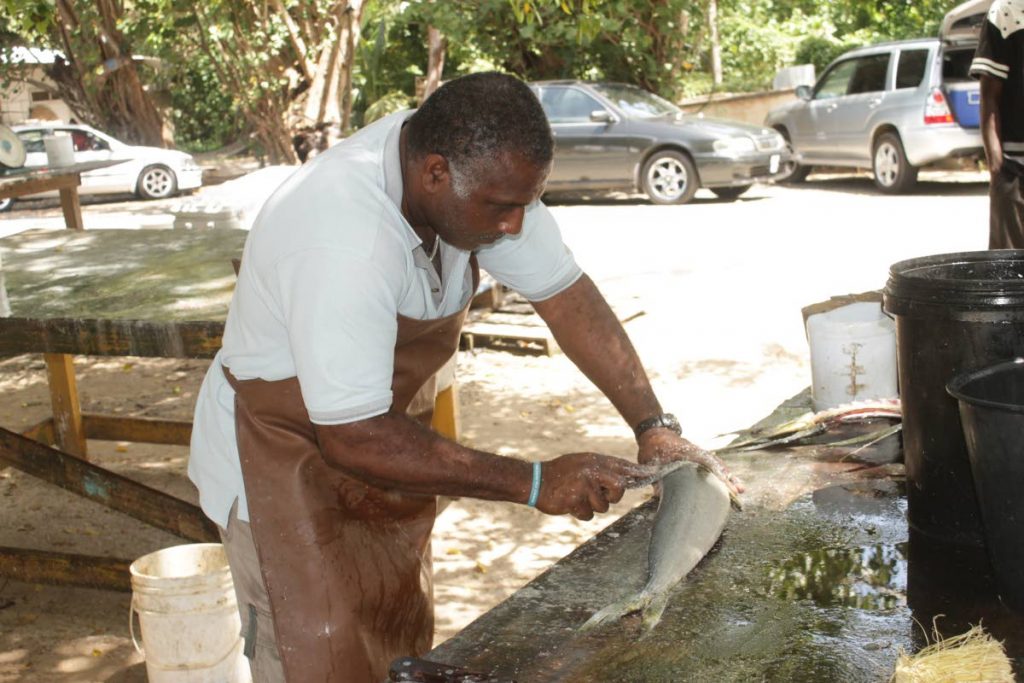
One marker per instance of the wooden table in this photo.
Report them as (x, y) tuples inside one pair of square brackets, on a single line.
[(151, 293), (65, 179)]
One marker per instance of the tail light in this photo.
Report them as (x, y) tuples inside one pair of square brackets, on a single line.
[(936, 109)]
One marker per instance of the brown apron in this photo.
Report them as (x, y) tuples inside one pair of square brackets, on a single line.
[(347, 565)]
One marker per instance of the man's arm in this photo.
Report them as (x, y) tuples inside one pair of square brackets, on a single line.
[(593, 338), (396, 452), (991, 126)]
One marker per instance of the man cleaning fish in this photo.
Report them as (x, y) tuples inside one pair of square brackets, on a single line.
[(310, 448)]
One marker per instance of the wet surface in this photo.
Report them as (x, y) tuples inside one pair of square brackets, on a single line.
[(815, 592), (154, 275)]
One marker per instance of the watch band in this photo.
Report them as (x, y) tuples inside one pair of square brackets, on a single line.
[(666, 420)]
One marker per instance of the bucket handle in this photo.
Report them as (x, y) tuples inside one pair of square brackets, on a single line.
[(131, 627)]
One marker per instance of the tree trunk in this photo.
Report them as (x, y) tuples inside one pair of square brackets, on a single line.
[(321, 98), (716, 46), (355, 15), (120, 86), (436, 45)]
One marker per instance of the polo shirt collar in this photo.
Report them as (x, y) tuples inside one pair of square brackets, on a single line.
[(392, 165)]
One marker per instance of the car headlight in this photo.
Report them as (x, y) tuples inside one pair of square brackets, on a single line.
[(734, 146), (190, 165)]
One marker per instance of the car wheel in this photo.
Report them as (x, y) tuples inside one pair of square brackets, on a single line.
[(893, 173), (669, 178), (791, 172), (157, 182), (6, 204), (730, 192)]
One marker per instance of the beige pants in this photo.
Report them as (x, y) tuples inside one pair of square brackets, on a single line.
[(253, 601)]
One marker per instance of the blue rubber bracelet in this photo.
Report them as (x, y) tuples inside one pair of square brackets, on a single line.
[(535, 487)]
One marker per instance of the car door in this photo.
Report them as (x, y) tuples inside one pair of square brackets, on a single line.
[(590, 149), (853, 116), (35, 150), (91, 147), (829, 127)]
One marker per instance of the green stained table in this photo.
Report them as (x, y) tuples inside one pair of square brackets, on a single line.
[(153, 293)]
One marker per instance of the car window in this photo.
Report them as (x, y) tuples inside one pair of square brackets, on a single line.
[(636, 102), (869, 75), (836, 81), (911, 67), (84, 141), (32, 140), (568, 105)]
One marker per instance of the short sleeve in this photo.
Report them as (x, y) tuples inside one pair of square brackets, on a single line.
[(536, 262), (341, 315), (992, 57)]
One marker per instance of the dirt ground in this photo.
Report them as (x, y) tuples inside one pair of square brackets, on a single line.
[(483, 551), (722, 349)]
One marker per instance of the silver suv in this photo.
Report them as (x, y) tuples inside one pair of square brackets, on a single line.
[(892, 107)]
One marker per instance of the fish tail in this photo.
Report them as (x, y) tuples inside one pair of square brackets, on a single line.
[(617, 610), (653, 611)]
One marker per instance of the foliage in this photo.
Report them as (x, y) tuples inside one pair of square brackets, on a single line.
[(228, 68), (820, 51)]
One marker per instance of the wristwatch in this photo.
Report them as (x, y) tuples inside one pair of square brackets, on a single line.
[(666, 420)]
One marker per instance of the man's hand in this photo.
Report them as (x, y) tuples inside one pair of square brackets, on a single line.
[(581, 484), (664, 445)]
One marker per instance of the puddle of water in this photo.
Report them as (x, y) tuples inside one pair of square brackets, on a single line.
[(870, 577), (830, 589)]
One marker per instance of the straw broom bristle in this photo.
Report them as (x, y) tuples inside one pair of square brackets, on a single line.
[(971, 656)]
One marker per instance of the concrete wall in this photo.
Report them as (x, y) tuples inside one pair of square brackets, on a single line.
[(17, 105), (748, 107)]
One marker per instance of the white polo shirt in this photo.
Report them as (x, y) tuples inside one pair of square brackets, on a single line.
[(330, 264)]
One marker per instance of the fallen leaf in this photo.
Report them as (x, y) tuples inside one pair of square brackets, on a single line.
[(97, 653), (453, 551), (480, 567), (127, 367), (121, 447)]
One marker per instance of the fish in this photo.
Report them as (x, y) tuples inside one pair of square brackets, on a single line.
[(692, 512), (812, 424)]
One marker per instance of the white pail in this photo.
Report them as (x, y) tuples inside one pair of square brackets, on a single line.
[(59, 150), (188, 616), (853, 355)]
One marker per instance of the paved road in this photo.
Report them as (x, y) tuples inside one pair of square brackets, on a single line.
[(722, 282)]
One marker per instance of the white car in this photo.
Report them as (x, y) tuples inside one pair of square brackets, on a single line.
[(149, 172)]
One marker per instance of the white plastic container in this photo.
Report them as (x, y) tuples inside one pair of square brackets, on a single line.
[(188, 616), (59, 150), (853, 355)]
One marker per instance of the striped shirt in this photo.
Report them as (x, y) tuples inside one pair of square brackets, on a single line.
[(1000, 54)]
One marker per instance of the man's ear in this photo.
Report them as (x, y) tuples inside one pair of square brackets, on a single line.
[(435, 173)]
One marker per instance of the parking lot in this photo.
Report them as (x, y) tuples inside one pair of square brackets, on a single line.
[(721, 284)]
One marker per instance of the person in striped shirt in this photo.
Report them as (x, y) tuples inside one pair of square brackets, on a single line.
[(999, 64)]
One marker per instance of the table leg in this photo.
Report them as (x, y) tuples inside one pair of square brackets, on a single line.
[(72, 208), (446, 414), (67, 413)]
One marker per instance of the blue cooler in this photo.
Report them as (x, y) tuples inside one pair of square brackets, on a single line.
[(965, 101)]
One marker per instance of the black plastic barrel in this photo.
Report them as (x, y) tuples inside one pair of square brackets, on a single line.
[(954, 313), (992, 413)]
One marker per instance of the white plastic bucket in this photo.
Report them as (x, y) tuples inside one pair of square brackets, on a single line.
[(853, 355), (60, 150), (188, 616)]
